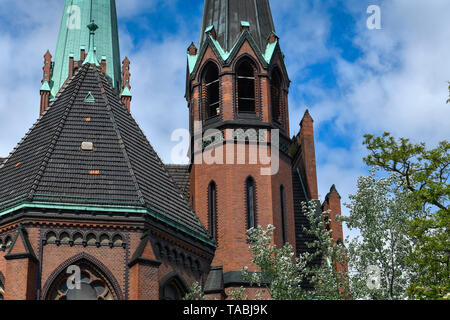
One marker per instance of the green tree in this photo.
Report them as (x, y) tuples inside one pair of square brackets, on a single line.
[(283, 274), (196, 293), (424, 173), (380, 210)]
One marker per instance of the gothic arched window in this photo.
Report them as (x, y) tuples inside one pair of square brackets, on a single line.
[(251, 203), (211, 92), (276, 94), (246, 87), (173, 290), (212, 207), (283, 214)]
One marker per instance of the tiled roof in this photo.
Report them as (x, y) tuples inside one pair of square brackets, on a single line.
[(49, 165), (180, 174), (227, 17), (301, 221)]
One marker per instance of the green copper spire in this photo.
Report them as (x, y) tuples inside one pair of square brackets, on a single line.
[(73, 36), (92, 57)]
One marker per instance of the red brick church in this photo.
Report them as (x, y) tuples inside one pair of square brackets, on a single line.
[(85, 190)]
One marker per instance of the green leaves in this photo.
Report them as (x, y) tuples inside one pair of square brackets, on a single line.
[(424, 174), (380, 212), (285, 275), (196, 293)]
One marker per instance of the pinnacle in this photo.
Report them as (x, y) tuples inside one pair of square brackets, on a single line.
[(306, 117)]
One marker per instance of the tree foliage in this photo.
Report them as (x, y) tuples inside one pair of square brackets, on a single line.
[(424, 173), (196, 293), (380, 210), (284, 275)]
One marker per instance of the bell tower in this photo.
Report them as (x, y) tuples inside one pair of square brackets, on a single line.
[(237, 93)]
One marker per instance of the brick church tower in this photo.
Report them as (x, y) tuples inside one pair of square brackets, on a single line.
[(237, 93)]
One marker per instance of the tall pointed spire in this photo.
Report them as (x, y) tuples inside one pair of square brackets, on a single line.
[(74, 36), (229, 16)]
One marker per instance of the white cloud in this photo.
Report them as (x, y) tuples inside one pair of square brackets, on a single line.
[(399, 84), (158, 82), (24, 38)]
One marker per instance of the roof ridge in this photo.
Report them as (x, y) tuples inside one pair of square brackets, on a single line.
[(158, 158), (119, 136), (58, 130)]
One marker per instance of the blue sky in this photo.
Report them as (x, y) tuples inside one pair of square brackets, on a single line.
[(352, 79)]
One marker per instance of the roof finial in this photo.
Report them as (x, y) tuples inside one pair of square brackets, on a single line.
[(91, 57)]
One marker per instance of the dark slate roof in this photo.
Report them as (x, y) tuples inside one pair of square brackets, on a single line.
[(214, 282), (124, 170), (301, 220), (226, 17), (180, 174)]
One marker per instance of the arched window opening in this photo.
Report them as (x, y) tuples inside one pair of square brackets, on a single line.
[(276, 95), (92, 285), (8, 242), (173, 290), (283, 215), (51, 237), (117, 241), (64, 238), (246, 87), (78, 239), (211, 92), (251, 203), (212, 198), (104, 240), (91, 239)]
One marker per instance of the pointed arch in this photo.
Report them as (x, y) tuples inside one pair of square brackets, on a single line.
[(246, 79), (173, 287), (212, 210), (250, 193), (97, 281), (276, 94), (210, 90), (283, 214)]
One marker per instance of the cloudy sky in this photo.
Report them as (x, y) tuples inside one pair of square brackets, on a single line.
[(352, 79)]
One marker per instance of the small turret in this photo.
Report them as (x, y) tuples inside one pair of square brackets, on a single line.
[(45, 88), (126, 86), (306, 141)]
